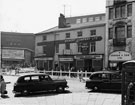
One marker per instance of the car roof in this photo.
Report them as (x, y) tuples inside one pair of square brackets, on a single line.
[(32, 74), (105, 71)]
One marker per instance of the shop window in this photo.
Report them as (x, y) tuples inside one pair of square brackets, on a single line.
[(67, 35), (67, 46), (93, 47), (110, 13), (110, 33), (129, 31), (79, 33), (129, 10), (93, 32)]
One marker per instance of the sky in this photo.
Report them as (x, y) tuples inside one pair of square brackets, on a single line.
[(33, 16)]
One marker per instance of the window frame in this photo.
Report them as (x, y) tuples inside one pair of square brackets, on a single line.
[(129, 31), (93, 47), (67, 35), (93, 32)]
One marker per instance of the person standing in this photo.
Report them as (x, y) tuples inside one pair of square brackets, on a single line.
[(2, 86)]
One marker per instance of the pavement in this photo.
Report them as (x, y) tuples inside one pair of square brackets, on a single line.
[(75, 98)]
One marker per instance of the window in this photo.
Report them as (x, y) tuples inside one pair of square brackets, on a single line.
[(78, 20), (110, 13), (84, 20), (57, 48), (129, 10), (123, 11), (110, 33), (79, 47), (67, 35), (79, 33), (93, 47), (120, 32), (97, 18), (93, 32), (44, 37), (91, 19), (44, 49), (35, 78), (67, 46), (129, 31), (117, 12)]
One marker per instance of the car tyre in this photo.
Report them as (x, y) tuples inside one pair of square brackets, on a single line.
[(60, 89)]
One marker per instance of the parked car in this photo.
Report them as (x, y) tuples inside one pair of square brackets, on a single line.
[(38, 82), (104, 80)]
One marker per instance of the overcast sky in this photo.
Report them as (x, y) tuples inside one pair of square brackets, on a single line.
[(33, 16)]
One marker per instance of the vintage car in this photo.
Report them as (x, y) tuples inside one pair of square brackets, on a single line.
[(38, 82), (104, 80)]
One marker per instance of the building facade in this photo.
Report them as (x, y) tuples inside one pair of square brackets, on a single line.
[(17, 49), (79, 45), (120, 32)]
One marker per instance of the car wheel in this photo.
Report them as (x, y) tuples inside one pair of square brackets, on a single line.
[(95, 88), (25, 92), (60, 89)]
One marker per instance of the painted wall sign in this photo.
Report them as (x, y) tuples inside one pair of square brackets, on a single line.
[(120, 56)]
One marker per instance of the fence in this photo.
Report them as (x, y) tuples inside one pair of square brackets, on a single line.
[(69, 73)]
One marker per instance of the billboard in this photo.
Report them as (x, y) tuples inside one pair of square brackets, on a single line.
[(12, 54)]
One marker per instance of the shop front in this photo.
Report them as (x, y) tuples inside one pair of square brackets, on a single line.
[(117, 58), (89, 63)]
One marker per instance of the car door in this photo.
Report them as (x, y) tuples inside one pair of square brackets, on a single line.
[(105, 81), (46, 82), (116, 81)]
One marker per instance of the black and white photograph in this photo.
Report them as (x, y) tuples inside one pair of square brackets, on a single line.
[(67, 52)]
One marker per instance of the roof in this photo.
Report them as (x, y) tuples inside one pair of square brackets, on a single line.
[(32, 74), (106, 71), (73, 26), (131, 61)]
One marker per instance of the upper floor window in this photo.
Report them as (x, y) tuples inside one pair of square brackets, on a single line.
[(110, 13), (91, 19), (78, 20), (129, 31), (97, 18), (79, 33), (67, 35), (93, 32), (120, 32), (67, 47), (93, 47), (123, 11), (44, 49), (117, 12), (79, 47), (84, 20), (44, 38), (110, 33), (129, 10), (57, 48)]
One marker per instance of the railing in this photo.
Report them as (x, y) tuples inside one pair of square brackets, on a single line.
[(69, 73)]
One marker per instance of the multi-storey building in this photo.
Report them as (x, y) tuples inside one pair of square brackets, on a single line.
[(17, 49), (120, 32), (79, 44)]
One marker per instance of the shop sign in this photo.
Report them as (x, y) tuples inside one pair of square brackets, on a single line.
[(89, 57), (120, 56), (66, 59)]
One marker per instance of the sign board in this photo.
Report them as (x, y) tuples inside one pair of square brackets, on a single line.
[(120, 56), (66, 59), (12, 54)]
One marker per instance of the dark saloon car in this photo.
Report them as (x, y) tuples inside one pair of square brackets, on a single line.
[(37, 83), (104, 80)]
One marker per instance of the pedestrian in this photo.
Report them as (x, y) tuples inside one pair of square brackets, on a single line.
[(3, 90), (81, 75)]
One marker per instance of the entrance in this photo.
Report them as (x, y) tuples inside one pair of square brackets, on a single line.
[(88, 65)]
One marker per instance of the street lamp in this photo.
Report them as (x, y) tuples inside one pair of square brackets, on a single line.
[(0, 55)]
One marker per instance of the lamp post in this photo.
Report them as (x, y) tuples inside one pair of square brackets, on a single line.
[(0, 56)]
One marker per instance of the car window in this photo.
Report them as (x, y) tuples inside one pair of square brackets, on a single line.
[(26, 79), (96, 76), (116, 76), (105, 76), (34, 78), (44, 78)]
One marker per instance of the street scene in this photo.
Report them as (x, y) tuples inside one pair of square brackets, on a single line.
[(76, 94), (80, 54)]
